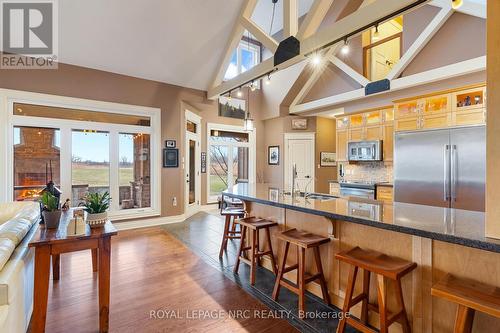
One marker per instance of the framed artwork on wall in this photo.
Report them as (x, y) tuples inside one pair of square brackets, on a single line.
[(170, 144), (232, 107), (170, 158), (273, 155), (328, 159), (203, 162), (299, 124)]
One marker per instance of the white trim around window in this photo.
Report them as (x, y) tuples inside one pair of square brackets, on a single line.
[(251, 144), (8, 120)]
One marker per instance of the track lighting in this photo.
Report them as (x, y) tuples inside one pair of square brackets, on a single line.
[(239, 93), (345, 48), (252, 86), (316, 59), (376, 34), (268, 80), (455, 4), (229, 96)]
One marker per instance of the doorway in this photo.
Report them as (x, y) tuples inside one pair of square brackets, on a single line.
[(300, 151), (192, 160)]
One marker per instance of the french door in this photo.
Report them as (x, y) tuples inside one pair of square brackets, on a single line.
[(192, 196)]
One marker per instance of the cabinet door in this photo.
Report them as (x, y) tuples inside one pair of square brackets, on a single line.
[(384, 193), (471, 117), (407, 109), (436, 121), (373, 118), (374, 132), (406, 124), (357, 120), (388, 142), (437, 104), (356, 134), (342, 123), (469, 99), (388, 114), (342, 145)]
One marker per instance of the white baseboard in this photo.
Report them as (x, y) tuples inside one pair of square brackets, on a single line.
[(156, 221)]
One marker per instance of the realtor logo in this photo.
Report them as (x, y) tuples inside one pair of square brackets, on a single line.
[(28, 34)]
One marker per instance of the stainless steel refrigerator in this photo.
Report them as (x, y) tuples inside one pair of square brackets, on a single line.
[(445, 168)]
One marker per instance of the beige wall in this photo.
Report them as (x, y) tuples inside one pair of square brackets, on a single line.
[(79, 82), (325, 141)]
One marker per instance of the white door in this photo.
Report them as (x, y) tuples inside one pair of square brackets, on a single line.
[(192, 161), (300, 152)]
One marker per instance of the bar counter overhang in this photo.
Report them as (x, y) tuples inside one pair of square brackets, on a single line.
[(440, 240)]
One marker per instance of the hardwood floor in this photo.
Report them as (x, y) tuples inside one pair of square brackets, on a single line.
[(150, 271)]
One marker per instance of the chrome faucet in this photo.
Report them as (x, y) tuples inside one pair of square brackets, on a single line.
[(306, 193), (294, 178)]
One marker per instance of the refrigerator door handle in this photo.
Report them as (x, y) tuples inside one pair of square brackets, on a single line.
[(453, 172), (446, 171)]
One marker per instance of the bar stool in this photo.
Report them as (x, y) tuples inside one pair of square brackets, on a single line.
[(470, 296), (254, 224), (231, 214), (303, 240), (385, 267)]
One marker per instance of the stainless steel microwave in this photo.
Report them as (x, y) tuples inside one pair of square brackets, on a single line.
[(364, 151)]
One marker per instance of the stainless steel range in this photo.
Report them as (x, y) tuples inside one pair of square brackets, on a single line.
[(358, 189)]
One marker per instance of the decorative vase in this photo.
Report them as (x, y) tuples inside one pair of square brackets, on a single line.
[(97, 220), (51, 219)]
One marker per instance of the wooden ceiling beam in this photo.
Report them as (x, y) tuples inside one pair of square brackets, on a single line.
[(260, 34), (313, 19), (373, 12), (290, 18)]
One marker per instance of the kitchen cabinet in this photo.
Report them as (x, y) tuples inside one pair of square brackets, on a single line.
[(385, 193), (442, 120), (407, 109), (356, 134), (407, 124), (373, 133), (388, 114), (388, 142), (469, 117), (357, 120), (436, 104), (469, 107), (342, 145), (342, 123), (373, 118)]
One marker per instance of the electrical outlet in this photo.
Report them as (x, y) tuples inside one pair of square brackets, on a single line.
[(174, 201)]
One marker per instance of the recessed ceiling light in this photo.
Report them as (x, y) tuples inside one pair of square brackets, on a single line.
[(455, 4)]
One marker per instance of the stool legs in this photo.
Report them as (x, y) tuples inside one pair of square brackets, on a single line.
[(404, 316), (273, 261), (253, 257), (281, 270), (464, 319), (322, 280), (351, 280), (382, 302), (366, 291), (241, 249), (223, 246)]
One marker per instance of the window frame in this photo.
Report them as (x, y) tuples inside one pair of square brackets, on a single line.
[(9, 97), (249, 44), (251, 144)]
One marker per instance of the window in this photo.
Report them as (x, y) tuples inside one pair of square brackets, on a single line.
[(231, 158), (84, 147), (246, 56)]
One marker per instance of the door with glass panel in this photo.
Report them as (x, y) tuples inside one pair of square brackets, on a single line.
[(228, 161), (192, 161)]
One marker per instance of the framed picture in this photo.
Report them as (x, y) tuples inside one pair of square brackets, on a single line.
[(299, 124), (328, 159), (170, 158), (203, 162), (232, 107), (273, 156), (274, 194), (170, 144)]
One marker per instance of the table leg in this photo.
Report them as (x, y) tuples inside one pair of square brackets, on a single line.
[(41, 292), (94, 260), (104, 255), (56, 266)]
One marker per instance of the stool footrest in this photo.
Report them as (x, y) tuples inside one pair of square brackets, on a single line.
[(359, 325), (358, 299), (289, 286), (290, 268), (312, 277)]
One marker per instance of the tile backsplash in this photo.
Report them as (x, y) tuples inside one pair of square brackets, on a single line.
[(369, 171)]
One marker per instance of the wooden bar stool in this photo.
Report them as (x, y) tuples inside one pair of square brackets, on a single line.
[(254, 224), (231, 214), (386, 268), (471, 296), (303, 240)]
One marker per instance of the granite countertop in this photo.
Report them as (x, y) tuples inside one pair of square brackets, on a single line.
[(456, 226)]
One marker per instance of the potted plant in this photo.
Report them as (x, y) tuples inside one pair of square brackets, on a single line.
[(96, 205), (50, 210)]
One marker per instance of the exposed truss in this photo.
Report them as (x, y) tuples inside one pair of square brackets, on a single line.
[(462, 68), (370, 13)]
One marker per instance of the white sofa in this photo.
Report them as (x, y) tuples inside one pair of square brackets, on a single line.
[(18, 222)]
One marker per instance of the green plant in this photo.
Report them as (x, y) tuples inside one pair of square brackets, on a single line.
[(49, 202), (96, 203)]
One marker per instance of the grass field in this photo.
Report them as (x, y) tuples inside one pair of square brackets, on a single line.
[(99, 175)]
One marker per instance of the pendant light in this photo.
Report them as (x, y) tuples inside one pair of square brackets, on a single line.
[(239, 93), (345, 47), (455, 4), (248, 121)]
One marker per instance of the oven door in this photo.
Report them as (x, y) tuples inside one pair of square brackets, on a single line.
[(357, 192)]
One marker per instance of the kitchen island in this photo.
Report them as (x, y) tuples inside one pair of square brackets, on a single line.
[(439, 240)]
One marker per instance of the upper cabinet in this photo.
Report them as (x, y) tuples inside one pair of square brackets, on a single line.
[(459, 108)]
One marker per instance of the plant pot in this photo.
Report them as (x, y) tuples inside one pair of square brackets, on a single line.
[(51, 219), (97, 220)]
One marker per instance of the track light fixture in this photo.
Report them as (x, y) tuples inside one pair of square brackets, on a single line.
[(229, 96), (376, 34), (316, 59), (345, 48), (268, 80), (252, 86), (239, 93)]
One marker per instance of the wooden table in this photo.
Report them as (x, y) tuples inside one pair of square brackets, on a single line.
[(53, 242)]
